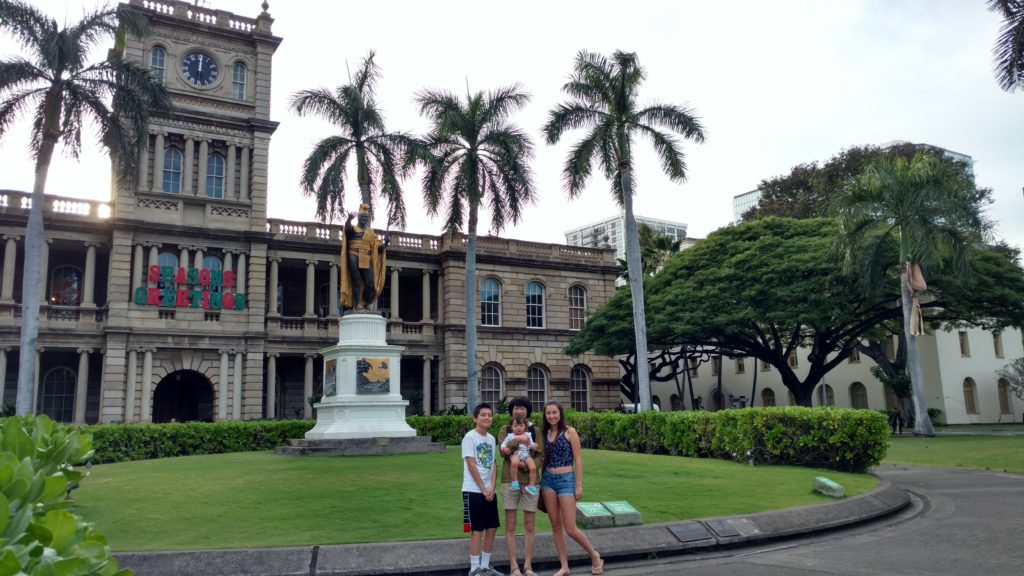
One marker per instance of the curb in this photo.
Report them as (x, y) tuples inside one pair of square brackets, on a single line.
[(450, 556)]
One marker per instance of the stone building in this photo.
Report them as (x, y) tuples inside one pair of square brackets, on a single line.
[(181, 299)]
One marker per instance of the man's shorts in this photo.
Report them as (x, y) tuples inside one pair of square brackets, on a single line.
[(477, 513), (518, 499)]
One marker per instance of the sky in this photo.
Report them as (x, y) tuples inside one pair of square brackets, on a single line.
[(775, 84)]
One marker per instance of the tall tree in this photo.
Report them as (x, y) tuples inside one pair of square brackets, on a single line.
[(379, 154), (475, 156), (64, 91), (934, 211), (1009, 48), (603, 101)]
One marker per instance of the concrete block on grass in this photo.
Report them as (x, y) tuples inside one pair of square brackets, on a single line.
[(828, 487), (623, 513), (593, 515)]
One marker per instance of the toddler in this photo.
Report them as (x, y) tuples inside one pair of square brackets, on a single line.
[(521, 453)]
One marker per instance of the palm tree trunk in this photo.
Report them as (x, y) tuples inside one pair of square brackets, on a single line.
[(636, 290), (922, 423), (470, 305), (363, 176)]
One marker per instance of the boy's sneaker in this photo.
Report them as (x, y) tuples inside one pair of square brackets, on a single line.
[(532, 490), (515, 484)]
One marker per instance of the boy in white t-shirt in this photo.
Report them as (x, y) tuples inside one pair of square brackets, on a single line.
[(479, 505)]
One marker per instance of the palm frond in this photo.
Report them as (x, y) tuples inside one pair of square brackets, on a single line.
[(26, 23), (571, 116), (679, 119)]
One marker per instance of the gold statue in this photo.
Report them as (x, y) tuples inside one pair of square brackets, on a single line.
[(363, 262)]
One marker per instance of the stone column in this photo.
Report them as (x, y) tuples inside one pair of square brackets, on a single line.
[(229, 174), (440, 299), (186, 170), (147, 386), (204, 152), (158, 163), (44, 270), (136, 271), (144, 164), (426, 385), (310, 287), (227, 260), (307, 388), (442, 395), (10, 258), (89, 289), (240, 274), (3, 371), (426, 296), (199, 259), (271, 397), (35, 383), (154, 260), (243, 178), (129, 397), (332, 289), (236, 404), (394, 293), (82, 385), (222, 387), (272, 289), (183, 257)]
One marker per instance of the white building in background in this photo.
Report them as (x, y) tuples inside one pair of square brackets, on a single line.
[(592, 235), (743, 202), (959, 371)]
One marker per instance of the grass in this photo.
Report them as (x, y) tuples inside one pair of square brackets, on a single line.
[(996, 453), (257, 499)]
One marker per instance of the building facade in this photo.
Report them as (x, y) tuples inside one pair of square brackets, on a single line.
[(181, 299), (614, 228)]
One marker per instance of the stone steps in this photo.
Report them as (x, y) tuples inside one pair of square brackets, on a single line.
[(379, 446)]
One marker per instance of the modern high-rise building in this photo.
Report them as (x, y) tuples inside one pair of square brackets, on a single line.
[(614, 228)]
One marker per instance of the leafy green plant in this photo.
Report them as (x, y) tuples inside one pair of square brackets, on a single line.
[(40, 536)]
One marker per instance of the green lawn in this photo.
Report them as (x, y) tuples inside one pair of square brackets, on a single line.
[(997, 453), (259, 499)]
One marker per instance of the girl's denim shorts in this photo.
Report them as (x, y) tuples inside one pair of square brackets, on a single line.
[(560, 484)]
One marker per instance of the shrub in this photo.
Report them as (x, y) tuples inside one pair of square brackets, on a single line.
[(40, 536)]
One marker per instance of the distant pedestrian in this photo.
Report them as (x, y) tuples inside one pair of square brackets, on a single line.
[(562, 486), (521, 498), (896, 421), (479, 504)]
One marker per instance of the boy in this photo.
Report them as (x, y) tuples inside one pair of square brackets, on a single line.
[(479, 505)]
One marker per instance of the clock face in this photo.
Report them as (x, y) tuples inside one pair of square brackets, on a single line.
[(199, 69)]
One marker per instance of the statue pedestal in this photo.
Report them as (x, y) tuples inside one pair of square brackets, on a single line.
[(362, 379)]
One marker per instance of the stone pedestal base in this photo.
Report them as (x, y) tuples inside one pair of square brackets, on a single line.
[(360, 447)]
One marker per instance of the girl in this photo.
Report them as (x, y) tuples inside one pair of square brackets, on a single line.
[(562, 485)]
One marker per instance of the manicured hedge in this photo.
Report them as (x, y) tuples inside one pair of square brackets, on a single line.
[(840, 439)]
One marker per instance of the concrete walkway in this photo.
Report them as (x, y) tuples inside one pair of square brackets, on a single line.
[(450, 556)]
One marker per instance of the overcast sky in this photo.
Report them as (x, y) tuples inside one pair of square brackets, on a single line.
[(775, 83)]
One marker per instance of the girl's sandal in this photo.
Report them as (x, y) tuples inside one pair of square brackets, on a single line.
[(516, 572), (562, 572), (598, 567)]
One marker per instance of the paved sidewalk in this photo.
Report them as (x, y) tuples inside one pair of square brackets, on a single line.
[(450, 556)]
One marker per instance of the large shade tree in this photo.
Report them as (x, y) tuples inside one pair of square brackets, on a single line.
[(54, 82), (603, 101), (474, 156), (1008, 51), (378, 154), (933, 211)]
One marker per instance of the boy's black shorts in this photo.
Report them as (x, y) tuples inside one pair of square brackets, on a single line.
[(477, 513)]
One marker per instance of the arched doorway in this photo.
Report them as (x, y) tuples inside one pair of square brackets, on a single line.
[(184, 396)]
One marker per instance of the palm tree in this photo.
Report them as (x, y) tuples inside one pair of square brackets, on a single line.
[(54, 80), (933, 209), (1009, 47), (655, 250), (379, 154), (603, 100), (476, 157)]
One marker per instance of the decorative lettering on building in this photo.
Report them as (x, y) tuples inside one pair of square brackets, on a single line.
[(190, 288)]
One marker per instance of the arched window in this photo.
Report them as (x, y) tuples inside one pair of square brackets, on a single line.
[(767, 397), (215, 176), (826, 397), (534, 305), (167, 259), (172, 171), (238, 81), (655, 400), (577, 306), (66, 286), (57, 394), (537, 385), (579, 389), (674, 402), (970, 396), (211, 262), (1004, 397), (490, 385), (490, 302), (858, 395), (158, 62)]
